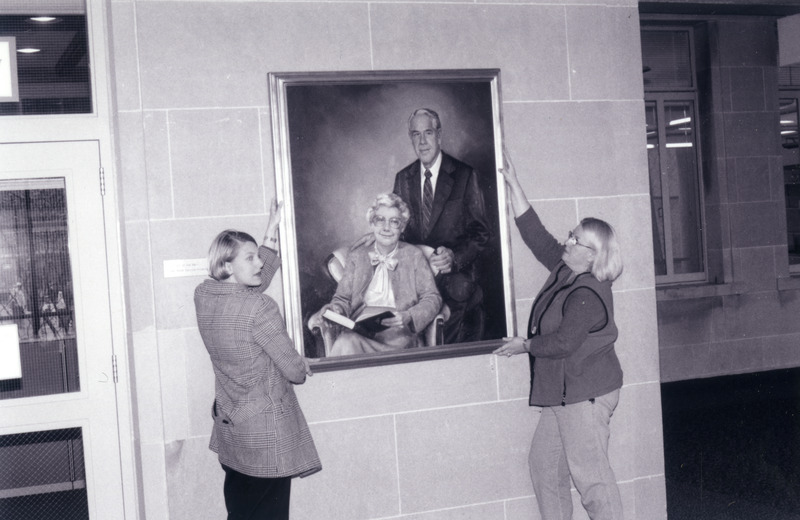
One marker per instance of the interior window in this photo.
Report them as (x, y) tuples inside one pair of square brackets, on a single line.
[(44, 58), (791, 172), (673, 155)]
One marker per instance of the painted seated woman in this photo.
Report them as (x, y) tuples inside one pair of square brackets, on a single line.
[(384, 274)]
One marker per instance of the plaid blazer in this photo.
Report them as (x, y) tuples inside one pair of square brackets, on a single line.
[(259, 429)]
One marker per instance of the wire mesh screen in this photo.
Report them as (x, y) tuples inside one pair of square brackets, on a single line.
[(43, 476), (36, 286)]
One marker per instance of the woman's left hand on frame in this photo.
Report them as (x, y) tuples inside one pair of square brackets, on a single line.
[(512, 347), (307, 366)]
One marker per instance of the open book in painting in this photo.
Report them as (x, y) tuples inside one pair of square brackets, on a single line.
[(367, 324)]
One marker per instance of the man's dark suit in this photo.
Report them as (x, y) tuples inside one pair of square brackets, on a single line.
[(458, 222)]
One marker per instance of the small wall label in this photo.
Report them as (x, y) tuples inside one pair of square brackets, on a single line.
[(190, 267)]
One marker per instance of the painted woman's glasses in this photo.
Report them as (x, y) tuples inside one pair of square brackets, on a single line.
[(380, 221)]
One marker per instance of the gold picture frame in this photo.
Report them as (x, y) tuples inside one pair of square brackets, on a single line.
[(339, 138)]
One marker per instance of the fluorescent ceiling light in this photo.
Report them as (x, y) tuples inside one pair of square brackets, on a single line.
[(671, 145), (680, 121), (788, 132), (28, 50), (788, 122), (44, 19)]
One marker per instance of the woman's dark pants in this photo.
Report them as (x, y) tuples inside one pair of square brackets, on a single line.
[(255, 498)]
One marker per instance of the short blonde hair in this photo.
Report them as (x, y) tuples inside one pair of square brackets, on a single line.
[(224, 249), (607, 263)]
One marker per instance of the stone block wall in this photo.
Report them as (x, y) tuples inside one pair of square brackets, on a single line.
[(426, 440), (745, 320)]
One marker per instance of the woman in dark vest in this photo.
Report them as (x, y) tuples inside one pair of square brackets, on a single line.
[(575, 374)]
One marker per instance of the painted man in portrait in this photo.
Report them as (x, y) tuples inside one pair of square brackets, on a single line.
[(448, 214)]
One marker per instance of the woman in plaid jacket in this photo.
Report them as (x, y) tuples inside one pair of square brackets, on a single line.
[(259, 432)]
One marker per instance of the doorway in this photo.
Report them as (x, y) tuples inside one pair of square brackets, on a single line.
[(59, 435)]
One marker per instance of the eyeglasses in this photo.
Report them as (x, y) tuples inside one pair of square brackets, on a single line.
[(574, 241), (379, 221)]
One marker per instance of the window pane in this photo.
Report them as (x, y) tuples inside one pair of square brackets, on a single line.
[(791, 172), (789, 128), (36, 286), (52, 59), (656, 207), (667, 59), (789, 76), (680, 162)]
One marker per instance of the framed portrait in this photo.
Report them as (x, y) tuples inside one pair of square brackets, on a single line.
[(347, 147)]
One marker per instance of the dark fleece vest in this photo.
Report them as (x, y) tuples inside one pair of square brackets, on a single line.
[(593, 369)]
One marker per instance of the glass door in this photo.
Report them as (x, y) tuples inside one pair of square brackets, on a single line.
[(59, 444)]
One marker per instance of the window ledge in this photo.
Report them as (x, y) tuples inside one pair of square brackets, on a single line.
[(694, 291), (789, 284), (690, 292)]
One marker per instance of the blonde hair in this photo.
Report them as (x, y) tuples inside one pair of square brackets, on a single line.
[(224, 249), (607, 263)]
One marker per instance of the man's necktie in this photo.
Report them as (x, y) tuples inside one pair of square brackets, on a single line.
[(427, 202)]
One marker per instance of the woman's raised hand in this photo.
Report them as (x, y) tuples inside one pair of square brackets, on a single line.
[(519, 202), (508, 171), (273, 220)]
